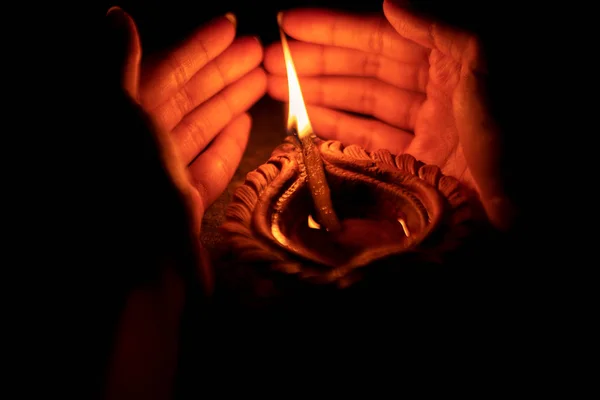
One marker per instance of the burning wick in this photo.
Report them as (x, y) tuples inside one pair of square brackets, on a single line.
[(299, 125)]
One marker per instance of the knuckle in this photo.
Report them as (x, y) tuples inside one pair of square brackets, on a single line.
[(322, 64), (183, 101), (226, 107), (204, 50), (371, 65), (319, 93), (221, 74), (368, 99), (203, 192), (180, 75), (194, 135), (223, 166)]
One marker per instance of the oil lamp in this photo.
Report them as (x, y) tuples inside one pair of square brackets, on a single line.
[(321, 214)]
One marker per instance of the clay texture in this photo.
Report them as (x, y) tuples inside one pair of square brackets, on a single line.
[(395, 212)]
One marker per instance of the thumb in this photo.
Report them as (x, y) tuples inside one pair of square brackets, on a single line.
[(482, 144), (123, 51)]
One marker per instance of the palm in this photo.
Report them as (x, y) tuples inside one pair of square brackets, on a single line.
[(199, 93), (436, 138)]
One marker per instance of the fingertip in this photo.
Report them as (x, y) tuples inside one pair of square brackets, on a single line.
[(394, 10), (396, 4), (223, 27), (249, 49), (232, 18), (114, 9), (259, 46), (124, 48), (389, 8), (120, 19), (258, 42), (261, 77), (292, 20)]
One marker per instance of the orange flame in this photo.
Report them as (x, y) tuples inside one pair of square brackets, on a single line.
[(297, 114)]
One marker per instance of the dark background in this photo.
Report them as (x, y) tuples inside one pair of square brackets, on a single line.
[(525, 44), (161, 23), (518, 74)]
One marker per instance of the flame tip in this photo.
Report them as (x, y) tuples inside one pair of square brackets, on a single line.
[(297, 114)]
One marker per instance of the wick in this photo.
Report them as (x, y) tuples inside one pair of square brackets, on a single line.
[(317, 183), (313, 165)]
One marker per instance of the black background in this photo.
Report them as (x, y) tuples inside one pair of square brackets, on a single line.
[(517, 63), (516, 48), (524, 45)]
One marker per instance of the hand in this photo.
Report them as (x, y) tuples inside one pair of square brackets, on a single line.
[(179, 128), (197, 96), (201, 91), (420, 80)]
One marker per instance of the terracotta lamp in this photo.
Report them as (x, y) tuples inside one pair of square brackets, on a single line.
[(321, 214)]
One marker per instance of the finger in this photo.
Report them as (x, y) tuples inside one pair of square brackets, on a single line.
[(316, 59), (361, 95), (214, 168), (200, 126), (459, 45), (349, 129), (241, 57), (370, 33), (170, 74), (124, 49)]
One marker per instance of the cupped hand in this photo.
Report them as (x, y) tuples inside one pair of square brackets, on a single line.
[(178, 126), (419, 84), (200, 93), (196, 97)]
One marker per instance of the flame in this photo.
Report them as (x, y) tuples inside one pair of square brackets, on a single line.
[(312, 223), (297, 114), (404, 226)]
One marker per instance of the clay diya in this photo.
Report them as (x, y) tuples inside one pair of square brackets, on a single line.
[(391, 210), (321, 213)]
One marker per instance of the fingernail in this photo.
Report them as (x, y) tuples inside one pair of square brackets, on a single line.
[(114, 9), (116, 17), (116, 20), (231, 17), (117, 41), (279, 17), (257, 40), (400, 3)]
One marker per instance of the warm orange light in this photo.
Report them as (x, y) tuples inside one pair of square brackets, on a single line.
[(297, 115)]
